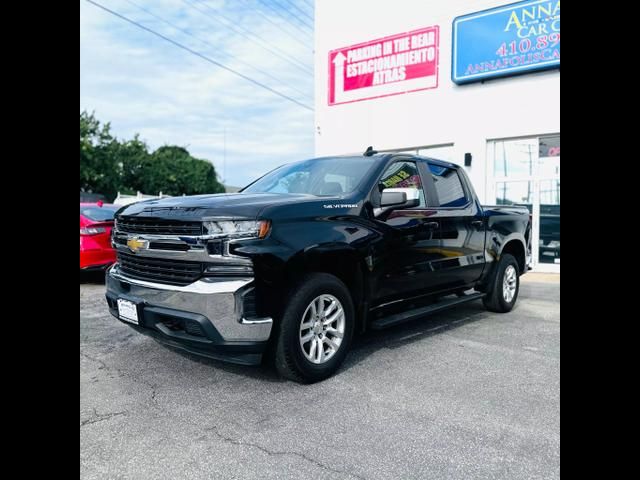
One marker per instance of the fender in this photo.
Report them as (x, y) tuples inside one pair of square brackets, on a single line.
[(339, 259), (494, 248)]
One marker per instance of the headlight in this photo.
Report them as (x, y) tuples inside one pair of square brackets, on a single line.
[(239, 228)]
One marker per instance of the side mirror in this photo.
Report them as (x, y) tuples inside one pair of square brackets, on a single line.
[(393, 198)]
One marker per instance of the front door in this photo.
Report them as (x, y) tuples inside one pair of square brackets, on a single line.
[(405, 260)]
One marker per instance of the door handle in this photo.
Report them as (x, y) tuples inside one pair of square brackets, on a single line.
[(432, 224), (477, 223)]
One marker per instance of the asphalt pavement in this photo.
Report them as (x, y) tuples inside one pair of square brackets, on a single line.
[(461, 394)]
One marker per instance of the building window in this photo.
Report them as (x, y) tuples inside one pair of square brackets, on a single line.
[(550, 146), (515, 158), (527, 172), (515, 193)]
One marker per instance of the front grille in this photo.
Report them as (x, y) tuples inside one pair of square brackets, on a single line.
[(120, 240), (156, 226), (177, 247), (215, 248), (159, 270)]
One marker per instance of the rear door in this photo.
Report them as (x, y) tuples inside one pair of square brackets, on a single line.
[(461, 228)]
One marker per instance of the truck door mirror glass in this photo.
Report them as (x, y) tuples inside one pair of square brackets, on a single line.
[(400, 198)]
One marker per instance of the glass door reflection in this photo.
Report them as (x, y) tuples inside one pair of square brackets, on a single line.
[(526, 172), (549, 236)]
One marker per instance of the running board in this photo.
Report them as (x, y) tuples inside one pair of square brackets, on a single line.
[(398, 318)]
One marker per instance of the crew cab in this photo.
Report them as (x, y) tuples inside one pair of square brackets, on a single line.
[(298, 262)]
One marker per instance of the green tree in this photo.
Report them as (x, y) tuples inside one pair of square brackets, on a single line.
[(108, 165), (99, 169), (178, 172), (134, 155), (173, 171)]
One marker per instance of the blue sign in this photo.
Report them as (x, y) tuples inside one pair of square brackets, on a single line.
[(508, 40)]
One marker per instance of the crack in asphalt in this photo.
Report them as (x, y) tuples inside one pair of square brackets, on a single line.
[(97, 360), (197, 420), (108, 368), (100, 417), (154, 392), (235, 441)]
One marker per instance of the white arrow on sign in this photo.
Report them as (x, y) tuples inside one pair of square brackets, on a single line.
[(338, 71)]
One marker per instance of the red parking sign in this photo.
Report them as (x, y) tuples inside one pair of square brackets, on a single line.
[(400, 63)]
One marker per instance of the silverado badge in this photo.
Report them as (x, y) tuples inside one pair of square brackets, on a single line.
[(135, 244)]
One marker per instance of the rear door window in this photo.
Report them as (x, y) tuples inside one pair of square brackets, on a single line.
[(448, 186)]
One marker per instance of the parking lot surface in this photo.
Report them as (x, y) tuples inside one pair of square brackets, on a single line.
[(461, 394)]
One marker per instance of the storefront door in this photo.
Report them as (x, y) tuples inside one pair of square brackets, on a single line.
[(526, 172)]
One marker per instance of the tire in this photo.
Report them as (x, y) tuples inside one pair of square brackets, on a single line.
[(299, 361), (507, 273)]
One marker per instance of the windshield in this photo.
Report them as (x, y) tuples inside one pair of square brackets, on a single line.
[(319, 176), (99, 214)]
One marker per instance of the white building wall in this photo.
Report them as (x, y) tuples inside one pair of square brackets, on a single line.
[(466, 115)]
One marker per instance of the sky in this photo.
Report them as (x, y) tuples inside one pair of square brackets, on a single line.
[(143, 84)]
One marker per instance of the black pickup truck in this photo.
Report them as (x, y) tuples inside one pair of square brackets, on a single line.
[(311, 254)]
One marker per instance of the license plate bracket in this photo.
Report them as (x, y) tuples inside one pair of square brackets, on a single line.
[(128, 311)]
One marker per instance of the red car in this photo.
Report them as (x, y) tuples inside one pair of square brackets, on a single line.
[(96, 221)]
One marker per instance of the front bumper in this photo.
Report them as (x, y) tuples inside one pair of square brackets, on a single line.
[(206, 317)]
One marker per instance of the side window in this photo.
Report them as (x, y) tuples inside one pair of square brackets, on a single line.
[(448, 186), (403, 175)]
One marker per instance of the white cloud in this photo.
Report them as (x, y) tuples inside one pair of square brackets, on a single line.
[(143, 84)]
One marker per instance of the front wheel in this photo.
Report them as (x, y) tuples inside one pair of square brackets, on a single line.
[(315, 329), (503, 292)]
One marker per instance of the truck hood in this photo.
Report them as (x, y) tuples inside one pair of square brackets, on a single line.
[(199, 207)]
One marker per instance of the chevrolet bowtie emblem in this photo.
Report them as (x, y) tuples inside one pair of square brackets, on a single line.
[(135, 244)]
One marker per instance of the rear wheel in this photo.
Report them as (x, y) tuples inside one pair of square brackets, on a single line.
[(315, 329), (503, 292)]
